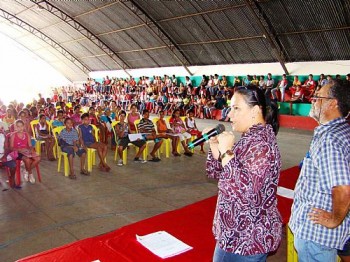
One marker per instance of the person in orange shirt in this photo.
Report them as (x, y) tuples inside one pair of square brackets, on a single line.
[(163, 129)]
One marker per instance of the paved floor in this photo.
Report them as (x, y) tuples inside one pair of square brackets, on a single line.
[(58, 211)]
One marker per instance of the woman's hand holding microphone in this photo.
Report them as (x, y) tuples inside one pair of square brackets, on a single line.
[(221, 144)]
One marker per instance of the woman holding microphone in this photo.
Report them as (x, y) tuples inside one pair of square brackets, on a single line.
[(247, 225)]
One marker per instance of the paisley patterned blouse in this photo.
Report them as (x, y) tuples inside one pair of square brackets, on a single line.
[(246, 220)]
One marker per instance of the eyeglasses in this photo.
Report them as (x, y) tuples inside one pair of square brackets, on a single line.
[(314, 98)]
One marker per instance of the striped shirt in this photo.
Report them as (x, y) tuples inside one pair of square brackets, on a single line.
[(326, 165), (145, 126)]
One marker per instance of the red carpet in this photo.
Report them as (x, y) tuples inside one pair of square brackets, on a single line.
[(191, 224)]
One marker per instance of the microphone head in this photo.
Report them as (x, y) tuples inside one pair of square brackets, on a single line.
[(220, 128)]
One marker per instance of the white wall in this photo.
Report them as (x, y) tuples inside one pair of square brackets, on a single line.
[(300, 68), (23, 74)]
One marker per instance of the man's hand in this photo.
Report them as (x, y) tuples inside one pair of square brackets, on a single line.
[(322, 217)]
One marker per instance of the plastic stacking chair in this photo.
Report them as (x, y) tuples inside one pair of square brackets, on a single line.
[(38, 143), (91, 152), (145, 152), (18, 172), (125, 151), (167, 141), (56, 131), (54, 147)]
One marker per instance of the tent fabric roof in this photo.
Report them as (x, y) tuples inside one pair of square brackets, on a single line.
[(129, 34)]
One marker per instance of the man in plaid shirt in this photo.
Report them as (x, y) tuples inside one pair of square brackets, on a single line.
[(320, 217)]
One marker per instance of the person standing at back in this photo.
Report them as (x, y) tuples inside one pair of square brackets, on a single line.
[(320, 218)]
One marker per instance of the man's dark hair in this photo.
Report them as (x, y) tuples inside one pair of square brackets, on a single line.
[(340, 90), (145, 111)]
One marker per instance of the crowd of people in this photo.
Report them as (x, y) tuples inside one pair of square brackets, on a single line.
[(247, 224)]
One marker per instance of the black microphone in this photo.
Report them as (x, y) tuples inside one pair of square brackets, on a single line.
[(206, 136)]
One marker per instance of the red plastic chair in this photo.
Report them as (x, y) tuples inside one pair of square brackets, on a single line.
[(18, 172)]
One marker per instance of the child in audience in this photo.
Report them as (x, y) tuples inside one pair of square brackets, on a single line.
[(20, 141), (146, 127), (59, 121), (87, 139), (42, 132), (122, 132), (191, 126), (69, 143), (297, 97), (179, 128), (6, 157), (94, 120), (76, 117), (9, 118), (168, 133), (132, 116)]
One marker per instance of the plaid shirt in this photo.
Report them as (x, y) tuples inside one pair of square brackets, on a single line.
[(325, 166)]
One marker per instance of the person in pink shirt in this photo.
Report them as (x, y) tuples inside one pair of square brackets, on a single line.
[(20, 141)]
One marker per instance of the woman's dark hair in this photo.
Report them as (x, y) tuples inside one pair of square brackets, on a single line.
[(340, 90), (255, 96)]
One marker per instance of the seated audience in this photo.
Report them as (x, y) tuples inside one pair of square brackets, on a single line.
[(296, 83), (132, 116), (94, 120), (282, 86), (146, 127), (87, 139), (7, 158), (167, 133), (191, 126), (76, 116), (297, 97), (309, 87), (20, 141), (122, 132), (42, 131), (179, 128), (69, 143), (268, 87), (59, 121)]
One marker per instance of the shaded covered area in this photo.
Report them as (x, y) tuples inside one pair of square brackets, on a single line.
[(79, 37)]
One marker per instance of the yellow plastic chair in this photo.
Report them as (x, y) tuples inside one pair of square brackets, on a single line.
[(145, 152), (165, 146), (50, 129), (38, 143), (56, 131), (91, 152), (125, 151)]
